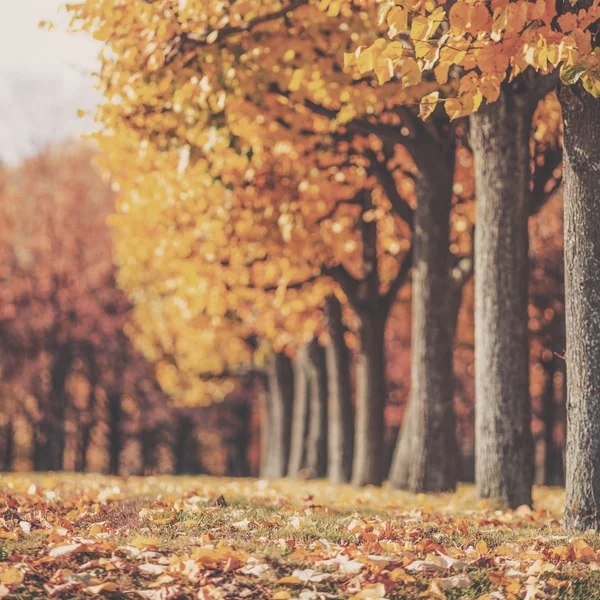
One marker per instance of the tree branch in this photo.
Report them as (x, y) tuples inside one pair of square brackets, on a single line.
[(387, 182), (247, 26), (398, 281), (542, 175)]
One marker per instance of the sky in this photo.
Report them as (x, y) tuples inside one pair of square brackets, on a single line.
[(45, 77)]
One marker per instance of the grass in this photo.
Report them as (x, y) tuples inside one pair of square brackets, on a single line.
[(217, 539)]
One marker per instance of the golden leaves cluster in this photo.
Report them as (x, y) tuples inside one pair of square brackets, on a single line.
[(470, 49)]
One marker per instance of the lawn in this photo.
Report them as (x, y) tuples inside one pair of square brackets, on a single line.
[(84, 536)]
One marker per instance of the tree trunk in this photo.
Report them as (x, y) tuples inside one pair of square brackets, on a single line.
[(371, 396), (553, 464), (340, 410), (58, 406), (264, 405), (281, 393), (426, 458), (298, 444), (500, 135), (114, 427), (8, 438), (316, 452), (185, 446), (581, 175)]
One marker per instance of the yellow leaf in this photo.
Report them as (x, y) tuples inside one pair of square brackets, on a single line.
[(11, 576), (141, 541), (81, 113), (428, 104), (397, 21), (384, 69), (481, 547), (109, 586)]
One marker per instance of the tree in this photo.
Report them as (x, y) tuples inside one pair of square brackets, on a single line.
[(64, 356), (476, 52), (304, 80)]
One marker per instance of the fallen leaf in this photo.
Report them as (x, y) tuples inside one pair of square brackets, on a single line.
[(11, 576), (456, 581), (109, 586)]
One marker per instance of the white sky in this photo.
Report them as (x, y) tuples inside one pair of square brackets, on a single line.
[(45, 76)]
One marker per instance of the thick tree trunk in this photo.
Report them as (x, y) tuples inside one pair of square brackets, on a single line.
[(281, 393), (426, 458), (581, 175), (115, 435), (504, 447), (298, 444), (340, 410), (371, 396), (316, 451)]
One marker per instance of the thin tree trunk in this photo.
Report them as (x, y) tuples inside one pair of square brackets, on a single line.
[(298, 445), (500, 135), (426, 458), (281, 393), (265, 423), (581, 175), (340, 410), (6, 460), (58, 406), (553, 463), (114, 426), (316, 453), (371, 395), (184, 450)]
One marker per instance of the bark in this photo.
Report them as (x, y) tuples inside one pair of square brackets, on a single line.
[(581, 176), (240, 444), (553, 465), (185, 446), (340, 410), (88, 419), (115, 435), (298, 443), (316, 452), (426, 458), (281, 392), (148, 450), (500, 135), (58, 407), (264, 408), (371, 395), (8, 446)]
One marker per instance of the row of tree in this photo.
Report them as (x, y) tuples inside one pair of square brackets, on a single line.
[(261, 177), (74, 393)]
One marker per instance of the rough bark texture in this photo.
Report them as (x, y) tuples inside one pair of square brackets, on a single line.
[(316, 451), (371, 394), (581, 175), (340, 410), (281, 393), (300, 415), (504, 447), (426, 457)]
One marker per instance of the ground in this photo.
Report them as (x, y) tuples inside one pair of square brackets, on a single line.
[(86, 536)]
